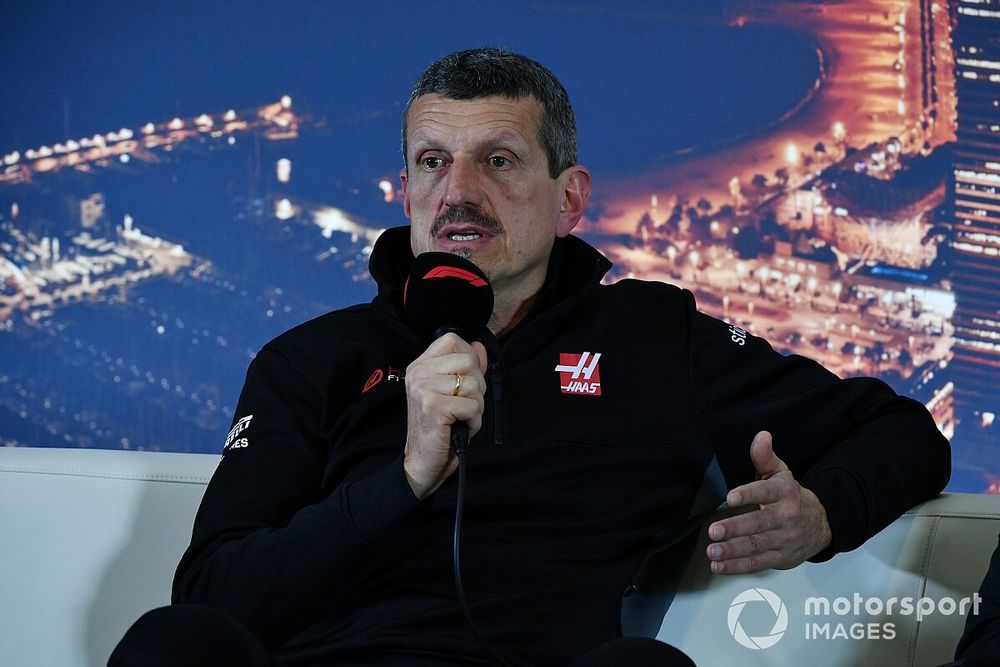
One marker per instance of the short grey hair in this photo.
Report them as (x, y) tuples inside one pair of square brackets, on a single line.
[(483, 72)]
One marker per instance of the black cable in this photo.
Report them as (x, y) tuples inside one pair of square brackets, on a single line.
[(460, 442)]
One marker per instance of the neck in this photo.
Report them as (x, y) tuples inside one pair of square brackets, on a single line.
[(512, 301), (508, 313)]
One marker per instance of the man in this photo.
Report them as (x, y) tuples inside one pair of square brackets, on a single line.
[(606, 420)]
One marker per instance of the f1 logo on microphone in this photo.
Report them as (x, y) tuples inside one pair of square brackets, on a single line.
[(455, 272), (579, 374)]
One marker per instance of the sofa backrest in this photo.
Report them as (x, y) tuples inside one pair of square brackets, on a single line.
[(89, 540)]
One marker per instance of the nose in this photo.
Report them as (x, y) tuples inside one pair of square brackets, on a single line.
[(462, 187)]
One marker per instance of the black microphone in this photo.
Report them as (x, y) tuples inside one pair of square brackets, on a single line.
[(446, 293)]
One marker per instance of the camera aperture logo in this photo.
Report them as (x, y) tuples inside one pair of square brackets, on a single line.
[(758, 598), (842, 618)]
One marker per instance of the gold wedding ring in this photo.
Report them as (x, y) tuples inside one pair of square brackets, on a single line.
[(458, 385)]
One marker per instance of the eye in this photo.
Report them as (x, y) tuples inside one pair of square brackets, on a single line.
[(499, 162), (431, 162)]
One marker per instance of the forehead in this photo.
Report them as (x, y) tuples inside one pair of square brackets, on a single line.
[(433, 118)]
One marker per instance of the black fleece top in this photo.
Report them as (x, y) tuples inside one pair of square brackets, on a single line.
[(310, 534)]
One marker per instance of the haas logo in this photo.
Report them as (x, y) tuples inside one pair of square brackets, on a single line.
[(579, 374)]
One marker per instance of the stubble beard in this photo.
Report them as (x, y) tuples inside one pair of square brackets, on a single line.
[(470, 215)]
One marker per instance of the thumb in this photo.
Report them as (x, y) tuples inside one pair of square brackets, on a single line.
[(480, 351), (765, 462)]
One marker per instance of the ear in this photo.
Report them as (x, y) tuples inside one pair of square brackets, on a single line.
[(406, 196), (575, 193)]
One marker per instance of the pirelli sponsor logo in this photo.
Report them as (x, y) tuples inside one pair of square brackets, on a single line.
[(233, 440)]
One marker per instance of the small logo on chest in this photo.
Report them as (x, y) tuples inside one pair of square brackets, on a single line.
[(579, 373), (392, 375)]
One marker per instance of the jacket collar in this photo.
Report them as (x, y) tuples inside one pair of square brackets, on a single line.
[(573, 265)]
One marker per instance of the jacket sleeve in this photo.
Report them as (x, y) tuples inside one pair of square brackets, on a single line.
[(270, 546), (868, 454)]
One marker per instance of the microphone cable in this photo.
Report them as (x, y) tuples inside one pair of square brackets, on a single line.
[(460, 441)]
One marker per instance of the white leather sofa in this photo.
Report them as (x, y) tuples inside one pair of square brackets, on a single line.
[(89, 540)]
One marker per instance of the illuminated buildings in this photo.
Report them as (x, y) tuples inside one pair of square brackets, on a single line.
[(879, 206), (975, 203)]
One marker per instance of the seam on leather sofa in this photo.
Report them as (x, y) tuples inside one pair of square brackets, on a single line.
[(911, 652), (104, 474), (939, 514)]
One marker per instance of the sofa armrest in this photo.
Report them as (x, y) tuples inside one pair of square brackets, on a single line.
[(939, 551)]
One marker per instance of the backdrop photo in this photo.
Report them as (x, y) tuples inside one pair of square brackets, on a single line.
[(182, 182)]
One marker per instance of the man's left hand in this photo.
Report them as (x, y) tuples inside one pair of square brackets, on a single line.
[(788, 526)]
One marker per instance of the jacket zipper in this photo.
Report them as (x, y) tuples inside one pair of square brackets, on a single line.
[(496, 392)]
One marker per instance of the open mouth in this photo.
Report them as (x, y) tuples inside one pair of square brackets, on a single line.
[(464, 236)]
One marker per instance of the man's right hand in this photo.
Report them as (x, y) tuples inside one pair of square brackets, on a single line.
[(432, 407)]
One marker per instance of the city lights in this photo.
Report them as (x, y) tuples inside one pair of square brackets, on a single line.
[(283, 209), (388, 192), (792, 154), (284, 170), (83, 153)]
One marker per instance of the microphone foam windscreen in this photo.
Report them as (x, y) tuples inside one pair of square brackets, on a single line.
[(446, 291)]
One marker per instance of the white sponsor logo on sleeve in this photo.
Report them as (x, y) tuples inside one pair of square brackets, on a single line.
[(232, 440)]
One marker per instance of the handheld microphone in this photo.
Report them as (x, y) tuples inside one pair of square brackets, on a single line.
[(446, 293)]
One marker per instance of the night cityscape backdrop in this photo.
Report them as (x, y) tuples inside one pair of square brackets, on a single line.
[(181, 183)]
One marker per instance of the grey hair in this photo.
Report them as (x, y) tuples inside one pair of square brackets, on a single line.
[(483, 72)]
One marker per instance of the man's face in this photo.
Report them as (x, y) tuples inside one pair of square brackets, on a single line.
[(478, 185)]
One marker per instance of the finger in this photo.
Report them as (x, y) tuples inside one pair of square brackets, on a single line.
[(468, 410), (751, 523), (441, 411), (762, 492), (457, 384), (757, 563), (448, 343), (741, 547), (464, 363), (765, 461)]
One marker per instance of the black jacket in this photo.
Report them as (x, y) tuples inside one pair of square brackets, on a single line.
[(310, 534)]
